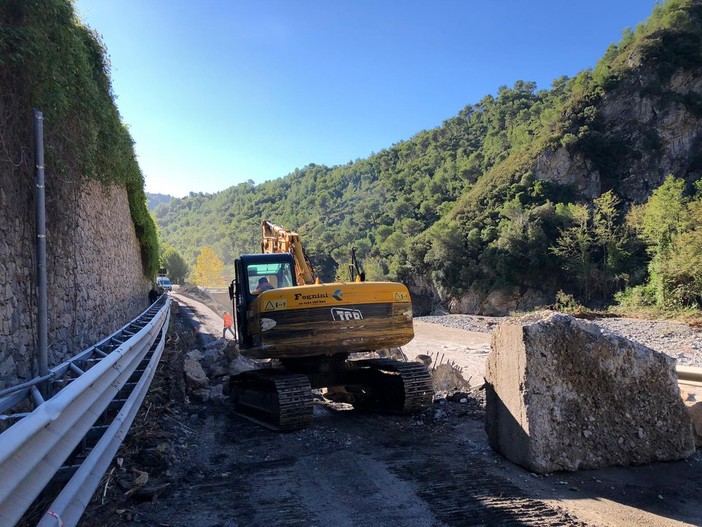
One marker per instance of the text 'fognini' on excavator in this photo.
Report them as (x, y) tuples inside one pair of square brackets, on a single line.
[(310, 330)]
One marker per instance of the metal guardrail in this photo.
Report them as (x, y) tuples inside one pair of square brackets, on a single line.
[(219, 290), (689, 375), (117, 371)]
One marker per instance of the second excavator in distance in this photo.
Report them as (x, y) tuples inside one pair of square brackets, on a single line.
[(310, 329)]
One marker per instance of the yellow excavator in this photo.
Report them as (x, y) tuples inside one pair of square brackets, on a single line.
[(310, 330)]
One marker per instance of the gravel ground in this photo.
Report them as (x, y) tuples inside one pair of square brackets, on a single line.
[(675, 339), (467, 322)]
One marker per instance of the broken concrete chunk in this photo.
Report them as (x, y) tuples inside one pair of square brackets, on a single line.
[(231, 351), (449, 379), (217, 392), (211, 356), (194, 355), (194, 374), (202, 394), (564, 394)]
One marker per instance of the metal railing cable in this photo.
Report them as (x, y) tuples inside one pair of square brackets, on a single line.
[(33, 449)]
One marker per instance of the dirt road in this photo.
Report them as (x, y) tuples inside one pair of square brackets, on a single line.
[(213, 468)]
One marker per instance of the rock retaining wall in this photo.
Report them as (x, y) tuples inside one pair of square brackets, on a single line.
[(95, 278)]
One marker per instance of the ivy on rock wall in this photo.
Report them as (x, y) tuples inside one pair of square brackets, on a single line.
[(50, 61)]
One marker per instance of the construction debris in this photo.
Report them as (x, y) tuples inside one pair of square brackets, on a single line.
[(564, 394), (448, 379), (195, 376)]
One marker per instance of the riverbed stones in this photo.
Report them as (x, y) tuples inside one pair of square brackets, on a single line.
[(565, 394)]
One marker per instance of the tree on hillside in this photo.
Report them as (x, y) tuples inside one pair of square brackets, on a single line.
[(611, 239), (593, 247), (664, 215), (574, 246), (606, 229), (209, 269), (175, 265), (681, 276), (671, 225)]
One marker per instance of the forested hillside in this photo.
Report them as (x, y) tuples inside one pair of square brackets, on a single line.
[(519, 196)]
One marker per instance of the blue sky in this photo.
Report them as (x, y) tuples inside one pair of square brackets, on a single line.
[(216, 92)]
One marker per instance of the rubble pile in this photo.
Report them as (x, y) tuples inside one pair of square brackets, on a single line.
[(147, 462), (207, 372), (565, 394)]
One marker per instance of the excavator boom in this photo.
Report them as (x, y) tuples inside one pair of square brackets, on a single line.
[(276, 239)]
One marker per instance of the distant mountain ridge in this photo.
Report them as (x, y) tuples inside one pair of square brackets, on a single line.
[(154, 200), (469, 214)]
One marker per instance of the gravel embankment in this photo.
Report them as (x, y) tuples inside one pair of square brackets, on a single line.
[(675, 339)]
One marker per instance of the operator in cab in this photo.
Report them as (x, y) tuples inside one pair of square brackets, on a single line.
[(263, 285)]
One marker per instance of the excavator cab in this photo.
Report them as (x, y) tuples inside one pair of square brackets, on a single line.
[(249, 269)]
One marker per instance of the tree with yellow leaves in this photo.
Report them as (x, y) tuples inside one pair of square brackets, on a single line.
[(209, 269)]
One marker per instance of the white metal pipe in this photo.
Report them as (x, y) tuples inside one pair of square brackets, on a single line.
[(17, 435), (689, 373), (42, 454)]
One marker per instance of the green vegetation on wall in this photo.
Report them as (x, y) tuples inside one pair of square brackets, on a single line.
[(61, 68)]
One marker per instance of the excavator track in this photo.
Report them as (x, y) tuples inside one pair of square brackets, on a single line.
[(418, 389), (276, 399), (387, 385)]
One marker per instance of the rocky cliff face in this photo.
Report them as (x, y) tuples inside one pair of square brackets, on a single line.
[(499, 302), (648, 130), (425, 298)]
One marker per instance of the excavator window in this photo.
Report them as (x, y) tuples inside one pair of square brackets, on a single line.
[(279, 274)]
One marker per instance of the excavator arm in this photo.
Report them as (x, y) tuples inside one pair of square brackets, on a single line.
[(277, 239)]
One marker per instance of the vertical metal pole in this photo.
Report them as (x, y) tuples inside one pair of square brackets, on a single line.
[(40, 215)]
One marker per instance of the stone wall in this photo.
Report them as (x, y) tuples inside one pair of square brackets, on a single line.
[(95, 278)]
